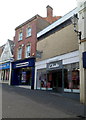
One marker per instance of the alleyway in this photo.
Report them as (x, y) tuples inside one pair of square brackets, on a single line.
[(25, 103)]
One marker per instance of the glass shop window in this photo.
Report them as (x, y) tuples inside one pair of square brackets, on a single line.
[(41, 79), (71, 76)]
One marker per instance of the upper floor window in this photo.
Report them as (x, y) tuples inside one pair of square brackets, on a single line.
[(20, 36), (28, 32), (28, 50), (19, 53)]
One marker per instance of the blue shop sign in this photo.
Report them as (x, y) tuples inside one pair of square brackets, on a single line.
[(84, 59), (23, 63), (5, 66)]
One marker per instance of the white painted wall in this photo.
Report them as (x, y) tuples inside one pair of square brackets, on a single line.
[(6, 57), (6, 54)]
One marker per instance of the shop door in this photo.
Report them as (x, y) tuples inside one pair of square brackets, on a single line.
[(57, 80)]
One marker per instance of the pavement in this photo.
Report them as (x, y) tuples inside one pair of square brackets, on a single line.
[(24, 103)]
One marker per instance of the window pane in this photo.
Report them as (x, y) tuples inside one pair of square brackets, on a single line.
[(28, 32), (41, 79), (20, 36), (71, 76), (28, 51), (19, 53)]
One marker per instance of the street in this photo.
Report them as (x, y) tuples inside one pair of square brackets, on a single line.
[(24, 103)]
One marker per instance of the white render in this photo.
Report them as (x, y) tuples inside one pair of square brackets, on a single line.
[(6, 54), (68, 58)]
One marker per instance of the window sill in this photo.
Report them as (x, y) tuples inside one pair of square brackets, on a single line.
[(19, 58), (28, 36), (19, 40), (28, 57)]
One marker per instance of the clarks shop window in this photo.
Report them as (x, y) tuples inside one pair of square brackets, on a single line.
[(71, 76), (41, 79)]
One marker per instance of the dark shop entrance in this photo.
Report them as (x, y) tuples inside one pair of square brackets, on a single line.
[(55, 76), (56, 80)]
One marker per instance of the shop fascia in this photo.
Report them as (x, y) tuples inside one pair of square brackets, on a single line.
[(54, 65), (5, 65)]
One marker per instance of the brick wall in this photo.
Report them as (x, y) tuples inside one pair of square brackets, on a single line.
[(26, 40)]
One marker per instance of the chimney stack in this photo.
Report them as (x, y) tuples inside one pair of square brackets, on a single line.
[(49, 11)]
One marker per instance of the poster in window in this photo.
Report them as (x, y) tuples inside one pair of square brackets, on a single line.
[(23, 79)]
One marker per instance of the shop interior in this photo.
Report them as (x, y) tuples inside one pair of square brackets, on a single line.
[(60, 80), (55, 79), (24, 76)]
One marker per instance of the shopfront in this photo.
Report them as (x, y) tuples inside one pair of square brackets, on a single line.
[(23, 72), (51, 78), (71, 77), (59, 77), (55, 76), (4, 71)]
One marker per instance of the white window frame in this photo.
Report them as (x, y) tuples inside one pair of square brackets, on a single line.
[(28, 53), (19, 54), (20, 36), (29, 32)]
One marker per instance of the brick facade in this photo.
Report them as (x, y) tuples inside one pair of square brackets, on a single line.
[(36, 23), (25, 40)]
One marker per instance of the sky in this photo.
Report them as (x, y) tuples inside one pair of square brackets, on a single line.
[(15, 12)]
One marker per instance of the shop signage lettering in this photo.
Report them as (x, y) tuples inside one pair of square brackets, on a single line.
[(22, 64), (5, 66), (54, 65)]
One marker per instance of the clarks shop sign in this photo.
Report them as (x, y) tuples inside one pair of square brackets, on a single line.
[(54, 65)]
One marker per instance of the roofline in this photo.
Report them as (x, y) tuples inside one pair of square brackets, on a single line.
[(10, 40), (34, 17), (2, 45), (58, 22)]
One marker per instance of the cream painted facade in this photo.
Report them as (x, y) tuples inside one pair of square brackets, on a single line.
[(58, 43), (82, 47), (58, 47)]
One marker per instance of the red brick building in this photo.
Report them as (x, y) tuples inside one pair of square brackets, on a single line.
[(31, 27), (25, 34), (25, 47)]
